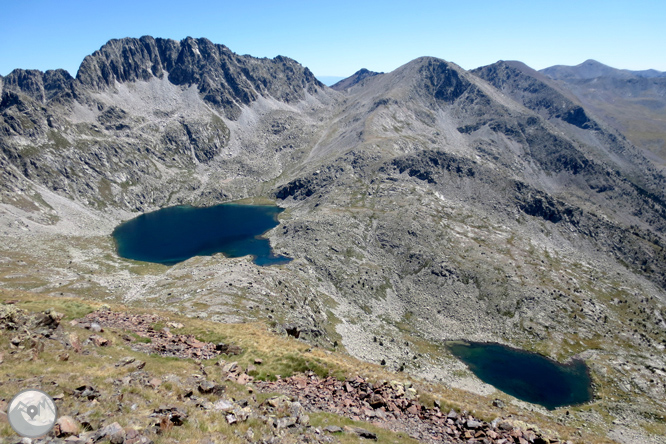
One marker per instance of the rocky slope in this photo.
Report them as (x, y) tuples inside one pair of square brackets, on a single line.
[(422, 205), (143, 398)]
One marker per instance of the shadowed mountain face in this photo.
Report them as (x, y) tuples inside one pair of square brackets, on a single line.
[(634, 102), (428, 203), (535, 91)]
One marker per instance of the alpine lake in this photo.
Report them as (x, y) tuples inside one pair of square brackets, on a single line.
[(175, 234), (527, 376)]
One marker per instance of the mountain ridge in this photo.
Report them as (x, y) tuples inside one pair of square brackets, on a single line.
[(630, 101), (590, 69), (225, 79)]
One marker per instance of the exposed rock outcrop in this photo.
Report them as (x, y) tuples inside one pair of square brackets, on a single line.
[(224, 79)]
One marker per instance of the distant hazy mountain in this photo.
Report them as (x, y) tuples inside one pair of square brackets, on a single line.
[(591, 69), (355, 78), (634, 102)]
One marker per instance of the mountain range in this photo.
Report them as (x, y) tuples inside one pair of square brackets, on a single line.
[(630, 101), (423, 205)]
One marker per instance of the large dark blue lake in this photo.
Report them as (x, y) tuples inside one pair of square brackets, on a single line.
[(527, 376), (175, 234)]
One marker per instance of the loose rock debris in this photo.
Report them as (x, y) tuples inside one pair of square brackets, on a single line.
[(395, 406), (161, 342)]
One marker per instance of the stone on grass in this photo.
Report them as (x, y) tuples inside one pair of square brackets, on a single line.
[(66, 426), (223, 406), (362, 433), (99, 341), (332, 429)]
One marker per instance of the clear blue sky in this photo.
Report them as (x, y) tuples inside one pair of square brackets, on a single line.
[(338, 38)]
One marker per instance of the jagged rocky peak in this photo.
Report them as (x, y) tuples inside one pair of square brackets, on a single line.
[(225, 80), (124, 60), (40, 86)]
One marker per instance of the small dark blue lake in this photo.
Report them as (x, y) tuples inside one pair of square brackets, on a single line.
[(175, 234), (527, 376)]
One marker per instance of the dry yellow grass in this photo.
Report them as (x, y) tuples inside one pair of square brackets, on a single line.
[(281, 355)]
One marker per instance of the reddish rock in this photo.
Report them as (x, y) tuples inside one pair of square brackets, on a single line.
[(230, 367), (75, 342), (66, 426), (161, 342), (132, 436), (192, 342), (376, 401), (244, 379), (99, 341)]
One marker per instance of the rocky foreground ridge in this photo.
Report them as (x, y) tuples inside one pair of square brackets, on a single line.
[(135, 405), (422, 205)]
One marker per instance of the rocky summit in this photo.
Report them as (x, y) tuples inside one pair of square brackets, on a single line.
[(423, 205)]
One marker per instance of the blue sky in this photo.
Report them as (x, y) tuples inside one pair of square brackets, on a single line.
[(338, 38)]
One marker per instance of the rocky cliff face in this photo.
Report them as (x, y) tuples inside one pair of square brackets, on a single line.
[(426, 204), (224, 79)]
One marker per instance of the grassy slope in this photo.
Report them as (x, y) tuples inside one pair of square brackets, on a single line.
[(281, 356)]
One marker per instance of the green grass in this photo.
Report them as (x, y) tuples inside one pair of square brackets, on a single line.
[(383, 436), (288, 365)]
